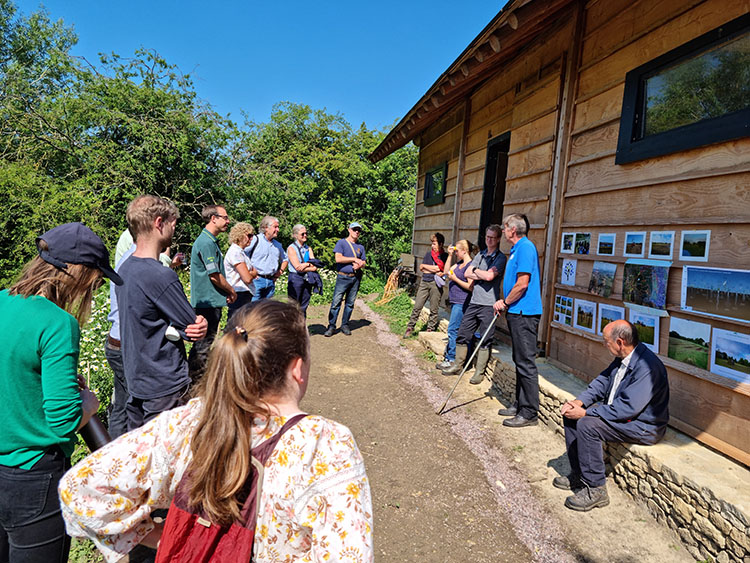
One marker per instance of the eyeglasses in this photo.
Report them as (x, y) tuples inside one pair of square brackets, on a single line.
[(357, 230), (225, 217), (303, 234), (490, 236)]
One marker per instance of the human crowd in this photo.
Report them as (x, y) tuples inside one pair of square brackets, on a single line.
[(216, 440)]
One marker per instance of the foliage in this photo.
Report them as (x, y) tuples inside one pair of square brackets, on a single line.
[(396, 312), (79, 141)]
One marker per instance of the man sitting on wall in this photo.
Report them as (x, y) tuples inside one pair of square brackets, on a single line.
[(628, 402)]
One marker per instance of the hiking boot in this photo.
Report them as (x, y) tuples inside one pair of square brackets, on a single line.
[(408, 333), (510, 411), (458, 364), (445, 364), (519, 421), (483, 356), (345, 330), (329, 331), (567, 482), (587, 498)]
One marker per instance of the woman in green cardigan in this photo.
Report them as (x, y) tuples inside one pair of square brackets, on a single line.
[(44, 400)]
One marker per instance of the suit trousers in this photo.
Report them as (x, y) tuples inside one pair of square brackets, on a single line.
[(523, 333), (583, 440), (427, 291)]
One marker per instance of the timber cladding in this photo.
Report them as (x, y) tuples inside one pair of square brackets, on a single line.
[(695, 190), (560, 99)]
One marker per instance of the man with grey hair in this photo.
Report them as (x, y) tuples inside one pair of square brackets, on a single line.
[(628, 402), (522, 302), (268, 257)]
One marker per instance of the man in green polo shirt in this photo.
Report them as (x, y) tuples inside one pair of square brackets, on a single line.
[(209, 289)]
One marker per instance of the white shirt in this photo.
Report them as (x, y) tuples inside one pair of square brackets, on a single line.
[(618, 377), (235, 255)]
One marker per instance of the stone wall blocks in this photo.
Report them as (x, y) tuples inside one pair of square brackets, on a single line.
[(741, 538), (704, 526), (644, 489), (721, 524), (682, 510), (664, 491), (686, 536), (652, 481)]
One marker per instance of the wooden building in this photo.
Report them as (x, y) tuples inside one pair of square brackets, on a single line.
[(582, 115)]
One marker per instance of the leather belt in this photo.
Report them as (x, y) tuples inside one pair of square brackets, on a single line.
[(113, 342), (346, 274), (266, 276)]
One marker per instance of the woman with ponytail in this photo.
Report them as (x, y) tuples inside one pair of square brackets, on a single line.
[(314, 504)]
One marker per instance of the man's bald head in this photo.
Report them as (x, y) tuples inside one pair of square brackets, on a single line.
[(622, 329)]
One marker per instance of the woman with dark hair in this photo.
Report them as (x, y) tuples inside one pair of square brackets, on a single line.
[(430, 286), (314, 504), (44, 400)]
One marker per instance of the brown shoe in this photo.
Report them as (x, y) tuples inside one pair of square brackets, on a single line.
[(588, 498), (567, 482)]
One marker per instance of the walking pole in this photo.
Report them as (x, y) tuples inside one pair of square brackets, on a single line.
[(467, 364)]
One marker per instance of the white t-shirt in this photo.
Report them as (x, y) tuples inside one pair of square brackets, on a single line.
[(235, 255)]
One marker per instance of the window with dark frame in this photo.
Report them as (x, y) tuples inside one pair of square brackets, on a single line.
[(694, 95), (434, 184)]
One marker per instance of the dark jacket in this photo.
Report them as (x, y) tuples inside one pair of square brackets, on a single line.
[(313, 278), (641, 403)]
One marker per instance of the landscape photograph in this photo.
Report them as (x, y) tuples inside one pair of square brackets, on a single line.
[(731, 355), (694, 246), (602, 278), (660, 244), (689, 342), (648, 329), (634, 244), (585, 313), (607, 314), (645, 284), (717, 292), (606, 244)]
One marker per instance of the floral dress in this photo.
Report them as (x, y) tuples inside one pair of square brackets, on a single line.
[(315, 503)]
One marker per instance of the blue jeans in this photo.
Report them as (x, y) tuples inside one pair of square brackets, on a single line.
[(345, 286), (457, 313), (31, 525), (264, 288)]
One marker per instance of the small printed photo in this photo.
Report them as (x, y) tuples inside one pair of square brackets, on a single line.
[(645, 284), (635, 245), (602, 278), (607, 314), (689, 342), (730, 355), (660, 244), (563, 309), (585, 315), (648, 329), (606, 244), (568, 272), (568, 243), (694, 246), (583, 243)]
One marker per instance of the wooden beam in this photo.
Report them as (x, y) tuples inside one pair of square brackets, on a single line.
[(512, 21), (494, 43), (461, 168)]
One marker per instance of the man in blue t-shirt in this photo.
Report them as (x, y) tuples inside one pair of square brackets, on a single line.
[(155, 315), (350, 259), (522, 303)]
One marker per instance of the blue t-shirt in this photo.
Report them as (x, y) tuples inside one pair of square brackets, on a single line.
[(266, 256), (151, 298), (523, 260), (345, 249)]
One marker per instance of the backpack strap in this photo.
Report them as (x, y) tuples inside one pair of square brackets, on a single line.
[(252, 250), (259, 456)]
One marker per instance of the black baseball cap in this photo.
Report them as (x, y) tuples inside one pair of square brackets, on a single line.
[(75, 243)]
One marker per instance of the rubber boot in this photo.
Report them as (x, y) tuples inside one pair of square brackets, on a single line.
[(483, 357), (458, 363)]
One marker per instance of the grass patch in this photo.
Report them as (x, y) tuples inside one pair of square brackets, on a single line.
[(396, 312)]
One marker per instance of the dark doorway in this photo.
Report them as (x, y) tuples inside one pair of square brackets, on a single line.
[(494, 184)]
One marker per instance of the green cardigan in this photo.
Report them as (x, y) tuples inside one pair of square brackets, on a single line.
[(41, 403)]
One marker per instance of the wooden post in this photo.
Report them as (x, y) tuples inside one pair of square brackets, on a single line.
[(461, 168)]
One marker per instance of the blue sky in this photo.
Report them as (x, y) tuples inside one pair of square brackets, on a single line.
[(368, 61)]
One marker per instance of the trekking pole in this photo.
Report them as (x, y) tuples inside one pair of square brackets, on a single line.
[(467, 364)]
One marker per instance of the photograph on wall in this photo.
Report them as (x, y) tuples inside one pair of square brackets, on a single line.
[(585, 315), (694, 246), (730, 355), (602, 278), (648, 329), (564, 310), (583, 243), (717, 292), (645, 283), (568, 243), (660, 244), (606, 244), (568, 272), (635, 245), (607, 314), (689, 342)]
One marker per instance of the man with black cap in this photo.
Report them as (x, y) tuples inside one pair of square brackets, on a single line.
[(155, 315), (350, 259)]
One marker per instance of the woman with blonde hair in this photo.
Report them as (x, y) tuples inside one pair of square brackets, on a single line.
[(44, 400), (459, 291), (314, 504), (240, 272)]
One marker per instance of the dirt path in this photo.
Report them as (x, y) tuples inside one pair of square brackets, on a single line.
[(456, 488)]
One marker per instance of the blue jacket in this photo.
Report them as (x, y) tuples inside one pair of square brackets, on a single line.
[(641, 404)]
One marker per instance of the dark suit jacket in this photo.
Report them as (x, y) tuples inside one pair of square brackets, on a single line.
[(641, 404)]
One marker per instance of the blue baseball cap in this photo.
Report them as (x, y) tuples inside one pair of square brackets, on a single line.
[(355, 225)]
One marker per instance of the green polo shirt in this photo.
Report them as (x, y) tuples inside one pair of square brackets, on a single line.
[(206, 259), (38, 385)]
